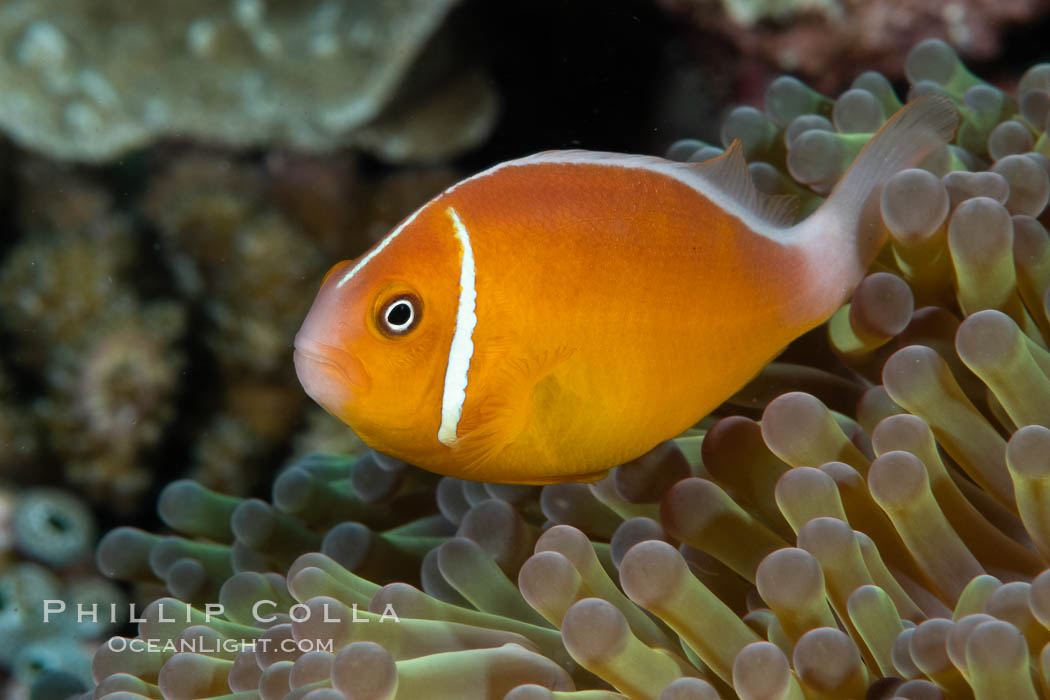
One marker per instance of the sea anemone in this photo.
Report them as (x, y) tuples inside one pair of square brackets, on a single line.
[(38, 646), (868, 518)]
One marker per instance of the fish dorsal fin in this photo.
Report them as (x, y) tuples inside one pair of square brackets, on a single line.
[(729, 175), (725, 180)]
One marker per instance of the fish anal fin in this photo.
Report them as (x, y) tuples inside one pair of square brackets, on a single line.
[(582, 478), (501, 414), (729, 175)]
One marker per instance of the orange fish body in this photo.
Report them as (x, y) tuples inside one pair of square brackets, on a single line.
[(564, 313)]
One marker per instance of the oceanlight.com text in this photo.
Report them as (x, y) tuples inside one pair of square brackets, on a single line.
[(201, 645)]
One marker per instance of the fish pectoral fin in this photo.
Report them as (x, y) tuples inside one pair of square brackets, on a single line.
[(490, 424), (498, 424)]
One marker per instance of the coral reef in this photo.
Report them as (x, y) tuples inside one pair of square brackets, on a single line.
[(49, 536), (221, 234), (130, 332), (868, 518), (245, 245), (81, 77), (19, 437), (107, 358), (249, 269), (829, 41)]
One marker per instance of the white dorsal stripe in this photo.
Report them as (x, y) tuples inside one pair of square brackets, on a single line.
[(688, 174), (379, 248), (677, 171), (462, 348)]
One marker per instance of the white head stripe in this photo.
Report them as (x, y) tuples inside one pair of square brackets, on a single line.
[(379, 248), (462, 348)]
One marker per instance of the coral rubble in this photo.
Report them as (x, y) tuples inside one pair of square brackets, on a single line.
[(873, 525)]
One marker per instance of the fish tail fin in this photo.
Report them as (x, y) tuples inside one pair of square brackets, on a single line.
[(842, 238)]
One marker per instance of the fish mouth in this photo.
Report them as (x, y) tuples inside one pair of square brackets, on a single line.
[(322, 368)]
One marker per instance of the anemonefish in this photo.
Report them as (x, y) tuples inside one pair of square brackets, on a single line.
[(558, 315)]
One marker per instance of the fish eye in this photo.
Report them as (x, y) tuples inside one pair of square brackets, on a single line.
[(400, 315)]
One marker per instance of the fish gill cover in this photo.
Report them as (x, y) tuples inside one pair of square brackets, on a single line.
[(882, 530)]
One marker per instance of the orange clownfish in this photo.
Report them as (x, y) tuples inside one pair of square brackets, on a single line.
[(557, 315)]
